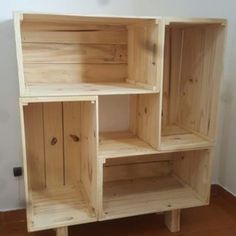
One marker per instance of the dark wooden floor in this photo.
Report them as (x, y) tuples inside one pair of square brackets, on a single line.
[(217, 219)]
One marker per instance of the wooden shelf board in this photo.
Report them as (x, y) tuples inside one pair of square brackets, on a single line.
[(177, 139), (58, 207), (148, 195), (86, 89), (122, 144)]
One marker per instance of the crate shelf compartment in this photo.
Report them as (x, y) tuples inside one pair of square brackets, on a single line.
[(122, 144), (192, 70), (128, 125), (147, 186), (60, 156), (88, 56)]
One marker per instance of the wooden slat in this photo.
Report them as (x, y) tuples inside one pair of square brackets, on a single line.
[(52, 113), (72, 136), (189, 141), (73, 53), (86, 37), (33, 117), (89, 137), (148, 195), (73, 19), (74, 73), (148, 119), (137, 170), (69, 26), (142, 59)]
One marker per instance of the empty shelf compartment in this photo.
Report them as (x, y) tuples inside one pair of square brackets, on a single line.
[(122, 144), (155, 183)]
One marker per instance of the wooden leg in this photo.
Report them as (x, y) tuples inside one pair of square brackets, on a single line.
[(172, 220), (63, 231)]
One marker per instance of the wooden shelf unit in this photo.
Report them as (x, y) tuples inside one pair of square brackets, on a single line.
[(118, 115)]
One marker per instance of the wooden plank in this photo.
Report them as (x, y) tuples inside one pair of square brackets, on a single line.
[(17, 29), (26, 100), (134, 171), (69, 26), (52, 114), (85, 37), (62, 231), (194, 169), (89, 142), (148, 195), (74, 73), (34, 139), (142, 59), (72, 140), (148, 119), (86, 19), (185, 141), (166, 80), (84, 89), (73, 53), (172, 220)]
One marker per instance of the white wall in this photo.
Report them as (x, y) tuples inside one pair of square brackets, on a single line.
[(12, 191)]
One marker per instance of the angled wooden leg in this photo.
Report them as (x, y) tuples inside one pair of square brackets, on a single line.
[(172, 220), (63, 231)]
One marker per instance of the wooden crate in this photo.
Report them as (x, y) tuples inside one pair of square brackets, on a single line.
[(155, 183), (118, 115), (192, 70), (59, 140), (87, 55)]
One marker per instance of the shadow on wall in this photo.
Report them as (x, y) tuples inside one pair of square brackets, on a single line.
[(10, 141)]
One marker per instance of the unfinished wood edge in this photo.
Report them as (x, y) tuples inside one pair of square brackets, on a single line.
[(160, 75), (176, 20), (172, 220), (18, 17), (26, 100), (63, 231)]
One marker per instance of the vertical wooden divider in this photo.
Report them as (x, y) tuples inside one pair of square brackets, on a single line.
[(53, 133)]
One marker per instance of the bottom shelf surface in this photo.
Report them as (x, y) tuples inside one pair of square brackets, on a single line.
[(148, 195), (58, 207)]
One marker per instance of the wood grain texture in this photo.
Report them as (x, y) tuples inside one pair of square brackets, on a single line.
[(74, 73), (34, 135), (142, 56), (172, 220), (86, 37), (52, 113), (72, 140), (89, 139), (73, 53)]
